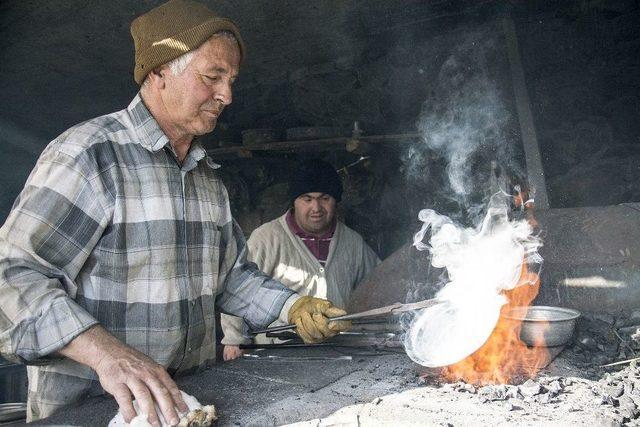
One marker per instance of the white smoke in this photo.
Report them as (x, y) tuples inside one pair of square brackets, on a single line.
[(481, 262), (463, 120)]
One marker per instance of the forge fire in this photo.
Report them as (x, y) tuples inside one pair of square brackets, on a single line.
[(489, 272)]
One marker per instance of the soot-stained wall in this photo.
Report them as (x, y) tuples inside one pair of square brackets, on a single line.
[(396, 67)]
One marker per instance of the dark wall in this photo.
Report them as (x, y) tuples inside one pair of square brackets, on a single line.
[(386, 64), (582, 65)]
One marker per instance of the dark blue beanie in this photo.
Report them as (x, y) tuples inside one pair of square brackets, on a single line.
[(315, 176)]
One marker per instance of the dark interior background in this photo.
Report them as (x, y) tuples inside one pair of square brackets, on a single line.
[(381, 63), (436, 67)]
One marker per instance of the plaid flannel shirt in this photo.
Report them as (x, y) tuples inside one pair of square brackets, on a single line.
[(111, 229)]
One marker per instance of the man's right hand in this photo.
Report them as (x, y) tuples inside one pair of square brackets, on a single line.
[(128, 374), (231, 352)]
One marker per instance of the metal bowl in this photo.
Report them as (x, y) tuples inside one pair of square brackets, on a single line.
[(543, 325)]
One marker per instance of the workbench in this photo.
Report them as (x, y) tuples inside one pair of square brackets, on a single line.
[(276, 387)]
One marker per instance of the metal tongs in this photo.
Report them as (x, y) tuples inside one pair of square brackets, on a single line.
[(386, 310)]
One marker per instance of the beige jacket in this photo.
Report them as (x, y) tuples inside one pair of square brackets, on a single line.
[(283, 255)]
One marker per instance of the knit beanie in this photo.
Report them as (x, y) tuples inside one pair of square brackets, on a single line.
[(173, 29), (315, 176)]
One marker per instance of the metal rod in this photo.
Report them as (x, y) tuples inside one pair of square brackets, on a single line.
[(382, 311), (621, 362), (293, 326)]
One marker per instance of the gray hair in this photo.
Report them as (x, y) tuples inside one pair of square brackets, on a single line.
[(179, 64)]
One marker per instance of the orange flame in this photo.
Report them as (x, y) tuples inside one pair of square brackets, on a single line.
[(504, 355)]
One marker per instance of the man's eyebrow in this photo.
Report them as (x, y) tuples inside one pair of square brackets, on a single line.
[(221, 70)]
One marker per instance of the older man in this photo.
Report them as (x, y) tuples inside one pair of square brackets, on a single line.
[(307, 248), (122, 244)]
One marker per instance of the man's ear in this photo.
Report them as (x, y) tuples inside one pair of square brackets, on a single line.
[(157, 77)]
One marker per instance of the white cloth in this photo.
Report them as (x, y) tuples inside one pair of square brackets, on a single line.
[(278, 252), (141, 419)]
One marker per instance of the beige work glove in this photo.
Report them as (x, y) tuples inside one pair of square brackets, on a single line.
[(310, 316)]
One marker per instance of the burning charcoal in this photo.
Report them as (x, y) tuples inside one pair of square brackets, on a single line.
[(376, 401), (515, 405), (631, 335), (598, 318), (468, 388), (609, 379), (543, 398), (530, 388), (567, 382), (616, 391), (513, 392), (607, 399), (493, 393), (631, 320), (628, 408), (588, 342), (448, 387), (555, 388), (601, 359), (608, 420)]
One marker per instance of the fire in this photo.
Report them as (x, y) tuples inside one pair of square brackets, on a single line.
[(504, 355)]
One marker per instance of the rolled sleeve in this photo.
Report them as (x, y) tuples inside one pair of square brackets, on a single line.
[(45, 241), (40, 336)]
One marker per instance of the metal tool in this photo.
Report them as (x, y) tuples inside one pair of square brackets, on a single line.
[(386, 310), (253, 356)]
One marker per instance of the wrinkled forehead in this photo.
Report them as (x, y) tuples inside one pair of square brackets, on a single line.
[(219, 53)]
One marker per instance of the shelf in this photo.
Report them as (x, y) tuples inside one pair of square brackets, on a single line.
[(342, 143)]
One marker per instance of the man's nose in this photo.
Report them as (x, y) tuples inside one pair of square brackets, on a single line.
[(315, 205), (223, 94)]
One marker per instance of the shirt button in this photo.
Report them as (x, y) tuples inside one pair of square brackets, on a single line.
[(321, 270), (189, 349)]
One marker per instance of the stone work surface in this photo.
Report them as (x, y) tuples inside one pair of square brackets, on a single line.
[(575, 389), (328, 386)]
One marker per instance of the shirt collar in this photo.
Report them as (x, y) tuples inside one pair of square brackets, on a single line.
[(154, 139), (298, 231), (151, 136)]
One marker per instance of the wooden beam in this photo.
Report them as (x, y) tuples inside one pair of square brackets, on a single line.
[(533, 159), (314, 144)]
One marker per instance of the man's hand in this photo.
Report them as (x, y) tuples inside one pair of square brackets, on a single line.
[(231, 352), (125, 372), (311, 318)]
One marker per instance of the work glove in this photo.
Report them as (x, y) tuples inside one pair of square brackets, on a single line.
[(310, 316)]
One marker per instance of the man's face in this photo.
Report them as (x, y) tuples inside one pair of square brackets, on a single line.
[(195, 98), (314, 212)]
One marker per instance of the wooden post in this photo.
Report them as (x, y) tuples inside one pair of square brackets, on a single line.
[(533, 159)]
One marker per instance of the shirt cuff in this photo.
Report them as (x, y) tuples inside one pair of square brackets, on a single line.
[(284, 313), (60, 324)]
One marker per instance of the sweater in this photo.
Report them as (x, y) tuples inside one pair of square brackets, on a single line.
[(281, 254)]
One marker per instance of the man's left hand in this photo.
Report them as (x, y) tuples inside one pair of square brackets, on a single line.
[(231, 352), (311, 316)]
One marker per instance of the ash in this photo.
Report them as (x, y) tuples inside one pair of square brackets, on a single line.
[(574, 389)]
